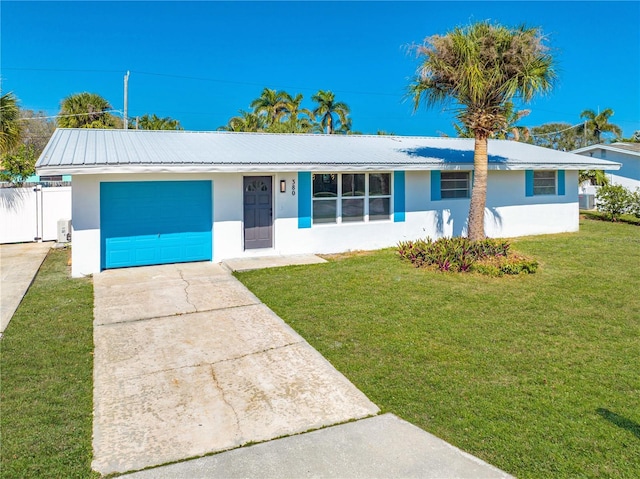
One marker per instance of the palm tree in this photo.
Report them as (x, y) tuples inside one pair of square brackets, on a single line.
[(511, 129), (481, 68), (598, 123), (299, 120), (86, 110), (10, 129), (271, 105), (153, 122), (246, 121), (327, 108)]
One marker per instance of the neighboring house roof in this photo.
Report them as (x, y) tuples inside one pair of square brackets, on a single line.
[(628, 148), (88, 151)]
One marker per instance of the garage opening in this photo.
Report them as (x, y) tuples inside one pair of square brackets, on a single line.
[(155, 222)]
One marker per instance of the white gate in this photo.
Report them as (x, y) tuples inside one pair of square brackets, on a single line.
[(32, 213)]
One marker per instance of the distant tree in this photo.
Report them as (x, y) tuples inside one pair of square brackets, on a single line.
[(36, 129), (86, 110), (598, 123), (271, 105), (330, 111), (557, 136), (385, 133), (10, 126), (153, 122), (18, 165), (299, 120), (482, 68), (246, 121), (635, 138), (593, 177)]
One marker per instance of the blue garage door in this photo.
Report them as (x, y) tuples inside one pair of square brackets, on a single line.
[(155, 222)]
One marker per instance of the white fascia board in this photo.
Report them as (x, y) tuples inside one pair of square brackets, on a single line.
[(587, 149), (328, 167)]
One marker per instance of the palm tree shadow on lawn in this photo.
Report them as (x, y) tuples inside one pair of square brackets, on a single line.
[(620, 421)]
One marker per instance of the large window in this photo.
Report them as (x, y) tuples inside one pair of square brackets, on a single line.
[(455, 184), (351, 197), (544, 182)]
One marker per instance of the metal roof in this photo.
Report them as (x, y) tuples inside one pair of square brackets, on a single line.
[(89, 151), (620, 147)]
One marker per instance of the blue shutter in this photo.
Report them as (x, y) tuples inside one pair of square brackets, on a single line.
[(561, 186), (304, 199), (528, 178), (398, 197), (435, 186)]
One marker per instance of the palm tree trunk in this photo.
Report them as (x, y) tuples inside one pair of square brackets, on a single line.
[(479, 191)]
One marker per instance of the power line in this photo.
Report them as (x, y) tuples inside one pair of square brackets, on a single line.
[(559, 131), (69, 115), (188, 77)]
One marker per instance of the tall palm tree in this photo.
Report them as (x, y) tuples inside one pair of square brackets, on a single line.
[(86, 110), (328, 107), (597, 124), (271, 104), (481, 68), (154, 122), (10, 129)]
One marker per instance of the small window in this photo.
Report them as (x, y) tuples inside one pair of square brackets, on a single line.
[(51, 178), (544, 183), (379, 196), (353, 197), (325, 194), (455, 184)]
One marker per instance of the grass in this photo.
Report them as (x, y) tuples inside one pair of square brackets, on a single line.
[(597, 215), (535, 374), (46, 369)]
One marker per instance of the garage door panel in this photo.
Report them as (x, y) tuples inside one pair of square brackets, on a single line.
[(144, 223)]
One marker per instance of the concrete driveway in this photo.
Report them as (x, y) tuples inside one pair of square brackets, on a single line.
[(189, 362)]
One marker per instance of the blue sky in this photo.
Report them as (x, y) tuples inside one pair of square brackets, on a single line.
[(200, 62)]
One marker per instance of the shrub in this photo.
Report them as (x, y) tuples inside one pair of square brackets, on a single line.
[(634, 203), (501, 265), (461, 255), (613, 201)]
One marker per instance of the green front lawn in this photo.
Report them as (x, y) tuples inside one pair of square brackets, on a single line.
[(538, 375), (46, 368)]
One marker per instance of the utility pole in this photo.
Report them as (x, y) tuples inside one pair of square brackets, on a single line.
[(126, 100)]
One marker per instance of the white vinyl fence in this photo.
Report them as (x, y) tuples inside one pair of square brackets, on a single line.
[(31, 213)]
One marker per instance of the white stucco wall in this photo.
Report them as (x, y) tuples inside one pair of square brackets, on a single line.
[(629, 173), (509, 213)]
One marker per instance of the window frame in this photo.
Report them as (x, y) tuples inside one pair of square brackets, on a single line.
[(536, 188), (468, 178), (365, 198)]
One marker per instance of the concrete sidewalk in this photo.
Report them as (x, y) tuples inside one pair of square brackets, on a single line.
[(19, 264), (187, 362), (378, 447)]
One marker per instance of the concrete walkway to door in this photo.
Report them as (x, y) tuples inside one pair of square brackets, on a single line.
[(189, 362)]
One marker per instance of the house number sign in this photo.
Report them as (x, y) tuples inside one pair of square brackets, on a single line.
[(293, 187)]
